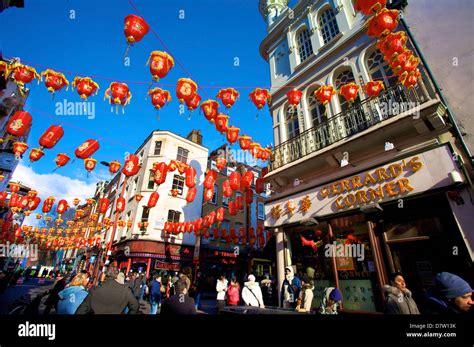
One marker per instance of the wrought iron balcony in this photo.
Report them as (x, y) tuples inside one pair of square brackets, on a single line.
[(356, 119)]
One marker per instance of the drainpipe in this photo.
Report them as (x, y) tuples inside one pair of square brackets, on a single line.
[(438, 90)]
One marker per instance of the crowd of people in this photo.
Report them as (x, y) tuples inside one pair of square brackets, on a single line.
[(174, 293)]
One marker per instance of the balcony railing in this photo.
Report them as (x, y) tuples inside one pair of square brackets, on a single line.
[(359, 117)]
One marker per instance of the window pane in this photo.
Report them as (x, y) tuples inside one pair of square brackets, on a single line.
[(328, 25), (305, 49), (178, 183), (157, 148), (145, 213), (151, 182), (261, 212), (182, 155), (214, 198)]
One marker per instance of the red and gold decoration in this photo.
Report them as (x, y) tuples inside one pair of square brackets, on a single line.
[(134, 30), (19, 123), (369, 7), (232, 134), (324, 94), (51, 136), (305, 204), (89, 164), (22, 74), (131, 165), (186, 88), (210, 108), (221, 123), (87, 149), (19, 148), (85, 86), (159, 98), (221, 163), (294, 97), (160, 64), (349, 91), (383, 23), (54, 81), (61, 160), (228, 96), (118, 94), (373, 88), (392, 45), (36, 154), (114, 167)]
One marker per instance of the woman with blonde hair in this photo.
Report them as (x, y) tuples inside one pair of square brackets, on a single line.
[(73, 295)]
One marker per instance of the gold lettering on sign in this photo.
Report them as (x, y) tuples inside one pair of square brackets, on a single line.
[(276, 211), (305, 204)]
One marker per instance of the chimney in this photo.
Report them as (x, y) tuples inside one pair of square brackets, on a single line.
[(195, 136)]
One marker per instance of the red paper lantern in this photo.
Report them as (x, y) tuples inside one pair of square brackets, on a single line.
[(392, 45), (246, 181), (260, 97), (185, 89), (114, 166), (254, 149), (408, 67), (234, 180), (210, 108), (76, 201), (294, 97), (191, 194), (61, 159), (174, 192), (239, 202), (190, 177), (324, 94), (215, 233), (89, 164), (160, 170), (249, 196), (138, 197), (120, 205), (221, 122), (412, 79), (50, 200), (221, 163), (228, 96), (220, 214), (14, 200), (210, 179), (244, 142), (3, 197), (19, 148), (118, 94), (226, 189), (383, 23), (198, 224), (212, 217), (23, 202), (135, 28), (208, 194), (85, 87), (54, 81), (36, 154), (160, 64), (373, 88), (51, 136), (103, 205), (232, 208), (349, 91), (131, 165), (87, 149), (193, 102), (62, 206), (19, 123), (159, 97), (23, 74), (400, 61), (369, 7), (232, 134), (153, 199)]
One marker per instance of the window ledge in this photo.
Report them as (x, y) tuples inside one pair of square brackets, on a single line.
[(330, 44)]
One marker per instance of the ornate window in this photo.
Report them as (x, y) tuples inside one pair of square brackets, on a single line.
[(292, 122), (344, 77), (303, 42), (316, 109), (178, 183), (182, 155), (328, 25), (380, 70)]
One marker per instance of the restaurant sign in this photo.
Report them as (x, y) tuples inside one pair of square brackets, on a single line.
[(396, 180)]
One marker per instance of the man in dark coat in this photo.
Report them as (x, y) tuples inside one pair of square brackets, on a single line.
[(112, 297), (180, 303), (53, 298), (450, 295)]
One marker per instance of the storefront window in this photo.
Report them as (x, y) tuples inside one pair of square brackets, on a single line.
[(307, 249), (355, 263)]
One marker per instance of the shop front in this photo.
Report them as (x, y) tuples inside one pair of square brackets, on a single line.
[(153, 256), (353, 232)]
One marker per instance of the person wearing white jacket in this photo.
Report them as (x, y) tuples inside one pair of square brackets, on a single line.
[(221, 288), (252, 294)]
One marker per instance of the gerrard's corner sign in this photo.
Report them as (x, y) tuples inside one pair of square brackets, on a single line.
[(404, 177)]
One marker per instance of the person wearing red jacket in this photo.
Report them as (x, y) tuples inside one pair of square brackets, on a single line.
[(233, 293)]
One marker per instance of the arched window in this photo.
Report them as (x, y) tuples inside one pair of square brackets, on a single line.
[(292, 122), (380, 70), (328, 25), (303, 43), (344, 77), (316, 109)]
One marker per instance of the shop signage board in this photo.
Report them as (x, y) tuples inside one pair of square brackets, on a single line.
[(396, 180)]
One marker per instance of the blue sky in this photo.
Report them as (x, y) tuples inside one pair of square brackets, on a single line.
[(206, 42)]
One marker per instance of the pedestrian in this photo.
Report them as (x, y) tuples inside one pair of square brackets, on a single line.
[(233, 292), (155, 294), (198, 289), (290, 288), (269, 292), (252, 294), (306, 297), (143, 286), (136, 284), (331, 300), (398, 298), (73, 295), (53, 298), (180, 303), (186, 279), (221, 288), (450, 295), (112, 297)]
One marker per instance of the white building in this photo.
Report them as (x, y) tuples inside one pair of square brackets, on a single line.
[(321, 154)]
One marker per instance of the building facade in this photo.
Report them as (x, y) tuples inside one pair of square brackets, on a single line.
[(386, 180), (147, 249)]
